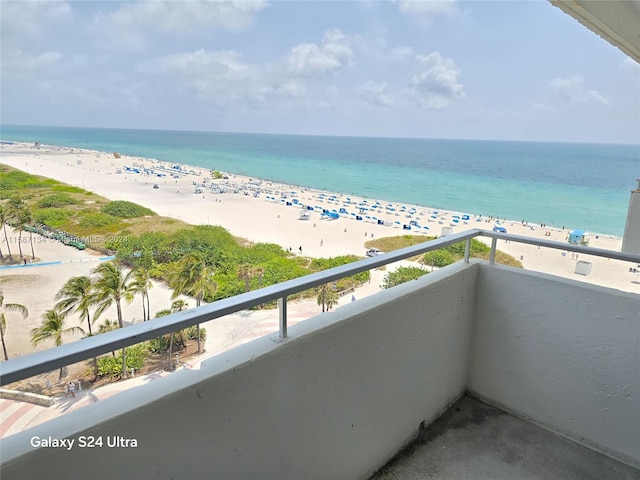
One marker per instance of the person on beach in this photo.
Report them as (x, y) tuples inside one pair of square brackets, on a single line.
[(71, 390)]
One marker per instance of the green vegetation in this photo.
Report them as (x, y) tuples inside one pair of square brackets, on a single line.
[(5, 308), (13, 180), (70, 189), (53, 217), (327, 296), (238, 268), (123, 209), (52, 328), (73, 209), (97, 220), (439, 258), (136, 356), (402, 275), (56, 200), (445, 256)]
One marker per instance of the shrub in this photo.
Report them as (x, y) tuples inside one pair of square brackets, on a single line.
[(112, 366), (123, 209), (56, 200), (402, 275), (192, 333), (161, 344), (96, 220), (53, 217), (158, 344), (438, 258)]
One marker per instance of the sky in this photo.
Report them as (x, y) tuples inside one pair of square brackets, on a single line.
[(501, 70)]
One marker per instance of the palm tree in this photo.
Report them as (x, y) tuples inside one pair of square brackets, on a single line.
[(113, 286), (52, 328), (28, 216), (17, 209), (108, 326), (142, 284), (247, 271), (327, 296), (3, 218), (77, 296), (9, 307), (192, 276), (176, 306)]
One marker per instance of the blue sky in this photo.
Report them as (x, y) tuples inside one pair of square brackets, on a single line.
[(512, 70)]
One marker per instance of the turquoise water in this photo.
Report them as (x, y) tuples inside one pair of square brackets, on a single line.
[(573, 185)]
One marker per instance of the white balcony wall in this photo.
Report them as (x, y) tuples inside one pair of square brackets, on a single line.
[(562, 353), (336, 400)]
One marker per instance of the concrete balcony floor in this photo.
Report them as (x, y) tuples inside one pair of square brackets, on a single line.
[(473, 440)]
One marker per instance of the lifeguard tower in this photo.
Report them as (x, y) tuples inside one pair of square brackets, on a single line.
[(578, 237)]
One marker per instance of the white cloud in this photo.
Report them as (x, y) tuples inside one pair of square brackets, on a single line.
[(573, 91), (204, 72), (23, 66), (291, 88), (310, 59), (376, 94), (23, 21), (224, 79), (131, 25), (437, 84), (29, 62)]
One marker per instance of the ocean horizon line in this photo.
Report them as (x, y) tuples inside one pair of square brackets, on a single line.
[(319, 135)]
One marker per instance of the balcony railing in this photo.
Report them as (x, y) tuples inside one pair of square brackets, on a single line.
[(48, 360)]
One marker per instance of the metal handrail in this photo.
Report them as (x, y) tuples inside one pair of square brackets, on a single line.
[(26, 366)]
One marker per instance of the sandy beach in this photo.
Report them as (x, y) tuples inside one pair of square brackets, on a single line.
[(256, 210)]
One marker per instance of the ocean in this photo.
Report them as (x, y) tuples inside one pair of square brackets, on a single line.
[(569, 185)]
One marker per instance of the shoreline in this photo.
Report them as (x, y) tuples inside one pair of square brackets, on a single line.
[(195, 171), (61, 150)]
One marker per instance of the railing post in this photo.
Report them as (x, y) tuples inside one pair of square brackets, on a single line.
[(467, 250), (282, 308), (492, 255)]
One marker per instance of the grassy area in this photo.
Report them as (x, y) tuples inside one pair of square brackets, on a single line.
[(81, 212), (445, 256)]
